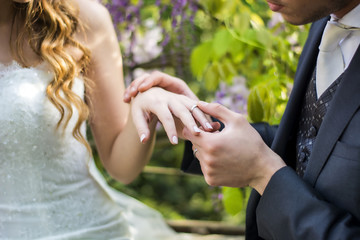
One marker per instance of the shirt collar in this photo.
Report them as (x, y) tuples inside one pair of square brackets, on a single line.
[(352, 18)]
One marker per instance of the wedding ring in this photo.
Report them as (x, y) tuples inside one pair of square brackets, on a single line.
[(195, 151), (193, 107)]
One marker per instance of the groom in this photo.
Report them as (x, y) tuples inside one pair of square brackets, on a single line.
[(306, 186)]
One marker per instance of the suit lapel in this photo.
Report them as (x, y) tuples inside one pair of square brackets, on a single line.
[(344, 104), (304, 71)]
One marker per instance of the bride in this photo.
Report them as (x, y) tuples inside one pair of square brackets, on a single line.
[(60, 65)]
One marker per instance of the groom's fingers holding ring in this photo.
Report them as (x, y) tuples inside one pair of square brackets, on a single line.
[(201, 117)]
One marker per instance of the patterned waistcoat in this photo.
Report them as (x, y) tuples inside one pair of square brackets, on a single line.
[(312, 115)]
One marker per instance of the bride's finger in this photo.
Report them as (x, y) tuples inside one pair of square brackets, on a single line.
[(181, 111), (167, 120), (141, 124)]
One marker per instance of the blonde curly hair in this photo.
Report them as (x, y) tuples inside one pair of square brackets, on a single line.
[(49, 27)]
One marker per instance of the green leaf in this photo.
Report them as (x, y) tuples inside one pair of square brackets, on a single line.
[(222, 42), (211, 6), (238, 23), (256, 21), (224, 8), (233, 200), (261, 103), (230, 66), (270, 106), (229, 70), (200, 58), (264, 37), (220, 69), (241, 22), (212, 77), (255, 105)]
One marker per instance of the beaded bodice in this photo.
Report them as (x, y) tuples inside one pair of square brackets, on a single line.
[(45, 184)]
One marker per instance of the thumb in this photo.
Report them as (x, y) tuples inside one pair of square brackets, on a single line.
[(215, 110)]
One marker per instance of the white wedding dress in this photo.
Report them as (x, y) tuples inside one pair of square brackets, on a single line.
[(49, 186)]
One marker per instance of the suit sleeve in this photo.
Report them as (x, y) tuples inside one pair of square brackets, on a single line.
[(191, 165), (291, 209)]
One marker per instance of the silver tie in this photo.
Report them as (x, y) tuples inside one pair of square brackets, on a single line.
[(330, 62)]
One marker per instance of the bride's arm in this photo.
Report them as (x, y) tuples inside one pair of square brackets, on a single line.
[(116, 137)]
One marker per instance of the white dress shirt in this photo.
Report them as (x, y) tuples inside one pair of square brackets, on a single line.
[(348, 46), (351, 43)]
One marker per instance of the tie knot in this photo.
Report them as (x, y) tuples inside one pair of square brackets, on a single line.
[(334, 33)]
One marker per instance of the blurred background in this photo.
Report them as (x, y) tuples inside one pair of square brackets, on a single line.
[(235, 52)]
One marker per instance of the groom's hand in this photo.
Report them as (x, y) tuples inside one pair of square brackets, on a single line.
[(236, 156)]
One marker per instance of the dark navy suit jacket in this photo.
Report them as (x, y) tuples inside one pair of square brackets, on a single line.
[(325, 204)]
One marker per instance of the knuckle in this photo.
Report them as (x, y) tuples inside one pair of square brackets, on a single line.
[(211, 164), (156, 73), (181, 81), (145, 75), (211, 148), (240, 117), (167, 118), (217, 106)]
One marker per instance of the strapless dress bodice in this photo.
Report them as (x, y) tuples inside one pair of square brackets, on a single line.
[(49, 185)]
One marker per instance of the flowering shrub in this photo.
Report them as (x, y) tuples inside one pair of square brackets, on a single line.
[(147, 29), (235, 52), (233, 96)]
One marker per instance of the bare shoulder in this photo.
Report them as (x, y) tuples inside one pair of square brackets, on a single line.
[(95, 17)]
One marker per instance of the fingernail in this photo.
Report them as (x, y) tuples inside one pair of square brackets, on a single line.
[(126, 96), (142, 137), (196, 129), (133, 89), (175, 140), (208, 125)]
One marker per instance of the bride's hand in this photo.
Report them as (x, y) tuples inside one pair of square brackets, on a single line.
[(167, 107), (159, 79)]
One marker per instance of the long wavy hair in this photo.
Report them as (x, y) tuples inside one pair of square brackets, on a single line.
[(49, 26)]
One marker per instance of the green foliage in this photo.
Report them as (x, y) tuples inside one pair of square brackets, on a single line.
[(231, 206), (261, 104), (229, 38), (235, 200), (242, 44)]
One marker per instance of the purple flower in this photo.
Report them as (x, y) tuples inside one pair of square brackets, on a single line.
[(233, 96), (130, 27)]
